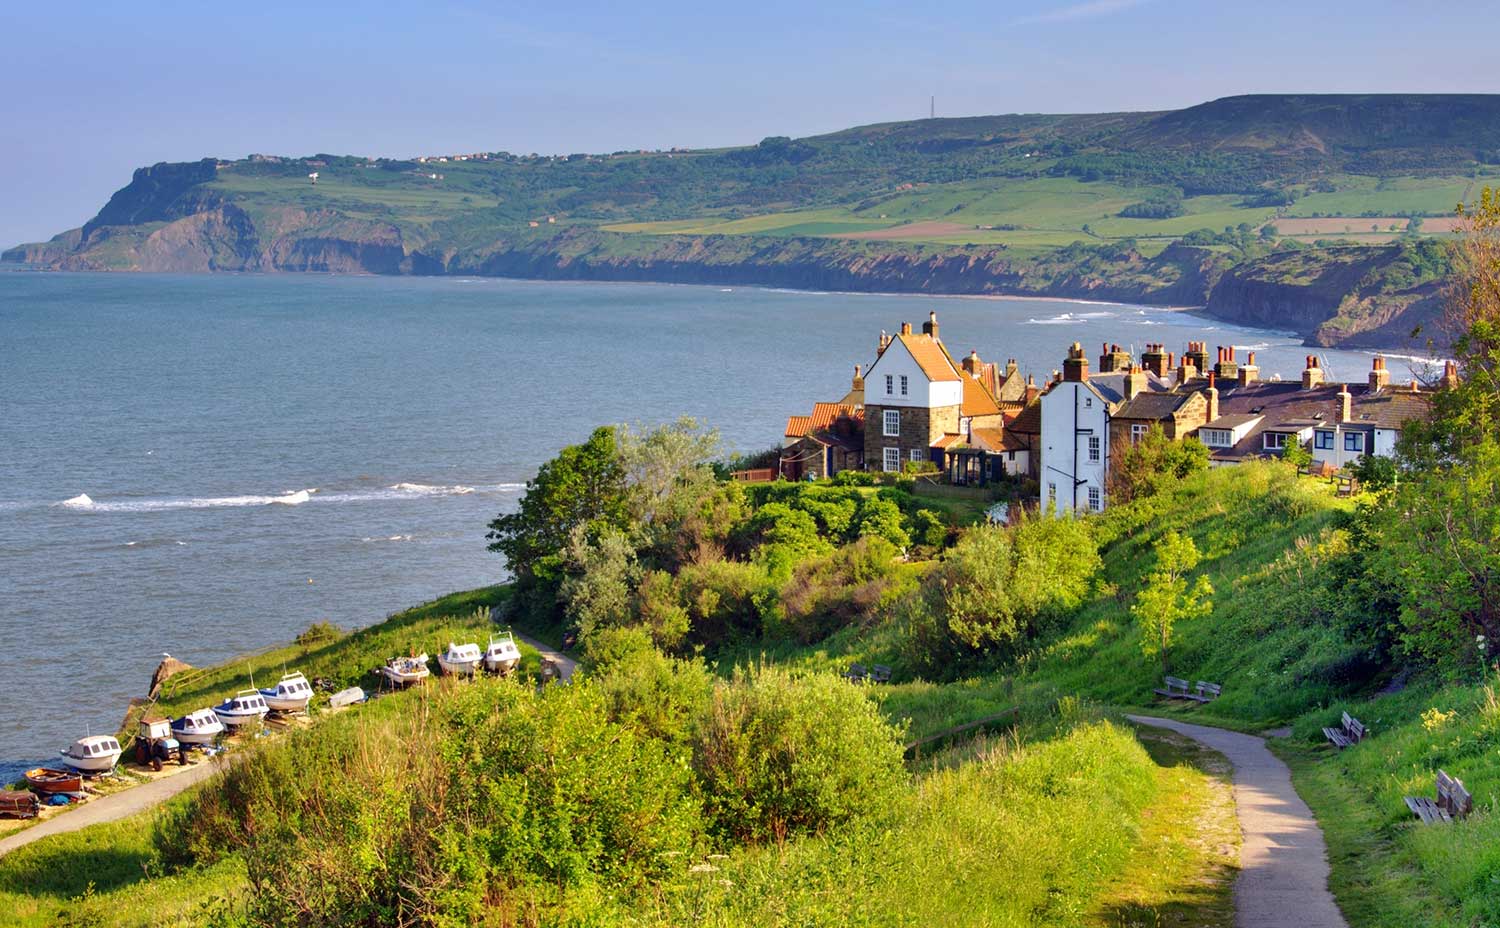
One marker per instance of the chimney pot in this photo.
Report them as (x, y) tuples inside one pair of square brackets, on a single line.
[(906, 328)]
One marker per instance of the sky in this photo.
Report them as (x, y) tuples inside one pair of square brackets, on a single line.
[(93, 91)]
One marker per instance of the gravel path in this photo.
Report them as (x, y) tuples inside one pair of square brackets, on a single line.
[(112, 807), (1283, 881), (148, 795)]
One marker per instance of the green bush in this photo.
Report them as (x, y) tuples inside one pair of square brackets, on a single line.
[(778, 756)]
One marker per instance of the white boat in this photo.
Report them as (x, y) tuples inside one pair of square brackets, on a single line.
[(502, 655), (246, 707), (292, 694), (346, 697), (459, 658), (94, 754), (404, 671), (197, 727)]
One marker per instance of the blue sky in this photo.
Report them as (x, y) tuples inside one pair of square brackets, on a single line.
[(94, 91)]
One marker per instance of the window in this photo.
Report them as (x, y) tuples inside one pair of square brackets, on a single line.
[(891, 420), (1274, 441), (1354, 441), (1093, 449), (903, 384), (1052, 494), (892, 460), (890, 382), (1323, 440), (1138, 431), (1096, 503), (1217, 438), (916, 454), (1088, 402)]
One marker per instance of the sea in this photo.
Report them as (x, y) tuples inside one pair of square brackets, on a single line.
[(204, 466)]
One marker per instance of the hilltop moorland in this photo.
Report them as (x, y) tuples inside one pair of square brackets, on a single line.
[(1319, 213)]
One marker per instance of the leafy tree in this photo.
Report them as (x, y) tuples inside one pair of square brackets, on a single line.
[(1167, 598), (583, 486), (880, 517), (601, 573), (1296, 454), (1144, 465)]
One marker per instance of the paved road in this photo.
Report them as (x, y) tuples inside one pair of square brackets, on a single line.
[(114, 806), (1283, 881)]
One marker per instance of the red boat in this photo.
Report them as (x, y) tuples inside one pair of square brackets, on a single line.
[(19, 803), (48, 780)]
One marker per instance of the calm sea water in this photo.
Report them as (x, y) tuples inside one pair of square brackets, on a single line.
[(205, 465)]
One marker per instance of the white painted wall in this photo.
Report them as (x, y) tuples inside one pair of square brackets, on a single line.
[(1071, 414), (896, 362)]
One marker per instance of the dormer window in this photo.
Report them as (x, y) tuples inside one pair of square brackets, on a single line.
[(1274, 441)]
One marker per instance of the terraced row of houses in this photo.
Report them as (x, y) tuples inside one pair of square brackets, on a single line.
[(977, 422)]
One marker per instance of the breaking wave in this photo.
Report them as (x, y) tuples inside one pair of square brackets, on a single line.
[(1070, 318), (400, 491)]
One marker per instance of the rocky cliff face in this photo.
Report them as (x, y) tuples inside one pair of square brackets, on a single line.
[(1375, 296)]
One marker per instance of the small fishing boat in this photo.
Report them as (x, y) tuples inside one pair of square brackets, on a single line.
[(459, 659), (292, 694), (346, 697), (52, 780), (404, 671), (19, 803), (94, 754), (246, 707), (502, 655), (199, 727)]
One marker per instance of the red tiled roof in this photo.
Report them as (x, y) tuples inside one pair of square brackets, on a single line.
[(798, 426), (930, 357), (948, 440), (977, 400)]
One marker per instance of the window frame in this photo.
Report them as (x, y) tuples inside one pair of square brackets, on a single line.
[(1354, 441), (1319, 438), (1138, 431), (904, 385), (889, 454), (1096, 499), (916, 456), (1096, 449), (886, 418), (1281, 441), (890, 384)]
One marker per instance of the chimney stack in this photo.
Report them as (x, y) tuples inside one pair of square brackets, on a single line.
[(1450, 376), (930, 327), (1213, 397), (1114, 358), (1186, 371), (1227, 368), (1076, 365), (1249, 373), (1312, 375), (885, 342), (1346, 404), (1197, 355), (972, 364), (1135, 381), (1380, 378), (1154, 360), (859, 380), (906, 328)]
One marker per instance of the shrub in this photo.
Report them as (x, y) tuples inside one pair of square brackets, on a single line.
[(778, 756)]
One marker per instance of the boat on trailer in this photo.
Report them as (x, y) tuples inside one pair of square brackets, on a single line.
[(94, 754), (502, 656), (460, 659), (247, 707), (291, 694), (404, 671), (52, 780), (198, 727)]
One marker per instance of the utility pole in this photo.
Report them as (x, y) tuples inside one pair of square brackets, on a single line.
[(932, 107)]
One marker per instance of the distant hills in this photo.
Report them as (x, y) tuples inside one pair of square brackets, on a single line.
[(1150, 207)]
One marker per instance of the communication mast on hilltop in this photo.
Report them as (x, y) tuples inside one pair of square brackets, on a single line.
[(932, 107)]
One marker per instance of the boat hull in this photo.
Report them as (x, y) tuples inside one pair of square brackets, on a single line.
[(200, 736), (458, 668), (284, 703), (104, 763), (404, 679), (48, 780), (239, 719)]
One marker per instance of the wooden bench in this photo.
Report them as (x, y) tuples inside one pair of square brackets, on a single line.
[(1208, 692), (1453, 801), (1350, 732), (856, 673), (1177, 688), (880, 674)]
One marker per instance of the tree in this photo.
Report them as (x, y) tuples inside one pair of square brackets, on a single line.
[(1144, 464), (600, 583), (583, 486), (1167, 598), (1296, 454)]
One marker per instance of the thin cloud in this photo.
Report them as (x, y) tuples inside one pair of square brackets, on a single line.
[(1078, 11)]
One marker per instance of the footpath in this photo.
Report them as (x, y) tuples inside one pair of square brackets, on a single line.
[(149, 795), (1283, 881)]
